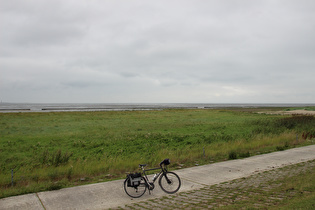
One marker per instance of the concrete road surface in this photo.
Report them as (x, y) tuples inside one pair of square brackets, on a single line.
[(111, 194)]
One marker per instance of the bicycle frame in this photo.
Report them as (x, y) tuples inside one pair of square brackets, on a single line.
[(150, 185)]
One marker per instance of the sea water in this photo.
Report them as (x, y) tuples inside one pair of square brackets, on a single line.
[(59, 107)]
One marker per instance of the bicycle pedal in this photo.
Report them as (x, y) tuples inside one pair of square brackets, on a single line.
[(151, 186)]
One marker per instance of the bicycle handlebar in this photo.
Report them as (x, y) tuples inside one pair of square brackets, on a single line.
[(165, 162)]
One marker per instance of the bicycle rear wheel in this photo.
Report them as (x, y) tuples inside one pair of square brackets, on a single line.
[(170, 182), (135, 192)]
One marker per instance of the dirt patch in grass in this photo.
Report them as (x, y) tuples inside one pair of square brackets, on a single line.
[(292, 112)]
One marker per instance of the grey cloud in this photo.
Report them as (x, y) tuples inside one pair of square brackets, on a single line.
[(41, 23), (110, 51), (128, 74)]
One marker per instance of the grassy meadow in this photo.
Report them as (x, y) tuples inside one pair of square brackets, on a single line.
[(48, 151)]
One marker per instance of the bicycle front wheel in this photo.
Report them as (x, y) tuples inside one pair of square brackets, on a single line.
[(135, 192), (170, 182)]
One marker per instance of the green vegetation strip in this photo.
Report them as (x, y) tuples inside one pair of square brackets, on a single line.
[(48, 151)]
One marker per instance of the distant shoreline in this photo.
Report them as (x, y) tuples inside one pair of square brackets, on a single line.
[(68, 107)]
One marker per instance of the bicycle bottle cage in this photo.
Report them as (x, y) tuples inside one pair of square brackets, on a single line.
[(165, 162), (134, 180)]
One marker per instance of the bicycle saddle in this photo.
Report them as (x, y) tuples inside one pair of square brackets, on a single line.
[(142, 165)]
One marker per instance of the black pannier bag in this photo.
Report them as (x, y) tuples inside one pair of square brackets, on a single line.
[(134, 180)]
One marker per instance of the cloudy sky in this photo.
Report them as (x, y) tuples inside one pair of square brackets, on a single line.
[(166, 51)]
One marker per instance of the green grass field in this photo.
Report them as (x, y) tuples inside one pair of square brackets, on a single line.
[(49, 151)]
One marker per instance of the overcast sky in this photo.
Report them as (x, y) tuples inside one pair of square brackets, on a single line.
[(165, 51)]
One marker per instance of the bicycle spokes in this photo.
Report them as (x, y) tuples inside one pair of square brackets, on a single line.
[(170, 182), (135, 191)]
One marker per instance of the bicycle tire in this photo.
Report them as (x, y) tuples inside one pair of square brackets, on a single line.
[(135, 192), (170, 182)]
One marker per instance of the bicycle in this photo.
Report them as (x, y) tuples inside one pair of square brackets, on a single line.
[(135, 185)]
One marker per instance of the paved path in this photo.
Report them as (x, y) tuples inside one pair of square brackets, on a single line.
[(111, 195), (268, 189)]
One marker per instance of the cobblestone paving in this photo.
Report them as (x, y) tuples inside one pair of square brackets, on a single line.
[(258, 188)]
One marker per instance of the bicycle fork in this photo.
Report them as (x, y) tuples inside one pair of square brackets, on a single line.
[(168, 180)]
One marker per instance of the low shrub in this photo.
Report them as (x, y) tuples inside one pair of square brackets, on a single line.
[(244, 154), (55, 158), (232, 155)]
